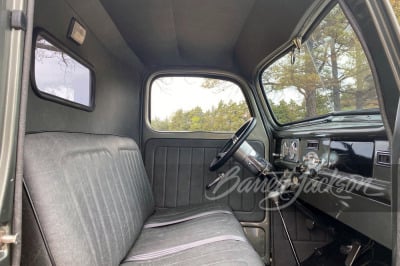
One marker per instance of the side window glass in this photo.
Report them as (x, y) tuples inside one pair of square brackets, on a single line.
[(60, 77), (331, 73)]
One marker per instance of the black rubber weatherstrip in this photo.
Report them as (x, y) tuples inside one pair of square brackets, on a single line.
[(39, 225)]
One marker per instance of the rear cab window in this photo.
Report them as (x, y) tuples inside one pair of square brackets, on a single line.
[(191, 104), (328, 74)]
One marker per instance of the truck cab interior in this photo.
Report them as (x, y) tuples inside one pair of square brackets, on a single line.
[(214, 132)]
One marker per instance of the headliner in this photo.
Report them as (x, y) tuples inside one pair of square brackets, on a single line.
[(221, 34)]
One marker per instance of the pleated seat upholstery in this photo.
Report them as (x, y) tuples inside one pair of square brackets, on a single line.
[(88, 201)]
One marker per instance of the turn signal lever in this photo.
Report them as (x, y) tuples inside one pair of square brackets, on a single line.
[(215, 181)]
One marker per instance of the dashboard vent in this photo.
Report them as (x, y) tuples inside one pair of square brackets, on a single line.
[(383, 158), (312, 145)]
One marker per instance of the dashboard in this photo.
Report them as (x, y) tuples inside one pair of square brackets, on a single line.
[(348, 179)]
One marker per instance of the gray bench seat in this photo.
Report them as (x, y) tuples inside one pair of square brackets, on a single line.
[(166, 216), (93, 205), (217, 253)]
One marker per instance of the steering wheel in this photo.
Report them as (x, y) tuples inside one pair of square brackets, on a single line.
[(233, 144)]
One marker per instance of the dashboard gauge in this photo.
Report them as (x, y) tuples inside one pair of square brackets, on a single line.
[(311, 160), (325, 159), (293, 149), (333, 159), (295, 181), (330, 159), (285, 148)]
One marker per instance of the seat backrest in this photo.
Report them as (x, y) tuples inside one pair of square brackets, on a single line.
[(91, 195)]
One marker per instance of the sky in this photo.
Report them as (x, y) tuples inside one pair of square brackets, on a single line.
[(69, 80), (173, 93), (170, 94)]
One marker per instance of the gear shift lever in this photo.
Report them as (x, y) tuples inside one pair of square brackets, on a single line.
[(274, 197)]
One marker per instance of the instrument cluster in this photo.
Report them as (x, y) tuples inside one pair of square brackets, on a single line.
[(290, 150)]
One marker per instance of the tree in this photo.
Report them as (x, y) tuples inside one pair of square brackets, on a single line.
[(288, 112), (159, 124), (224, 117), (217, 85), (302, 76), (44, 49), (396, 8)]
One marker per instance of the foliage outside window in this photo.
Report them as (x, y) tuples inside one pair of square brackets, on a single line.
[(330, 74), (396, 8), (60, 77), (196, 104)]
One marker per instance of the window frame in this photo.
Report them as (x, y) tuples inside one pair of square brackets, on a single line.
[(287, 49), (53, 98), (194, 74)]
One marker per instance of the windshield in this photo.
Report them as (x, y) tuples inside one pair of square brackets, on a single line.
[(329, 73)]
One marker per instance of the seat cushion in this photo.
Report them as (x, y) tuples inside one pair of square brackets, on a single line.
[(162, 244), (167, 216), (152, 240), (229, 253)]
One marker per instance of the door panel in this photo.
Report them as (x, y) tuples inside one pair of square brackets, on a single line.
[(178, 172)]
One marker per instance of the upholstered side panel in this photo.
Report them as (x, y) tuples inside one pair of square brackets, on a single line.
[(91, 195), (305, 241), (178, 172)]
